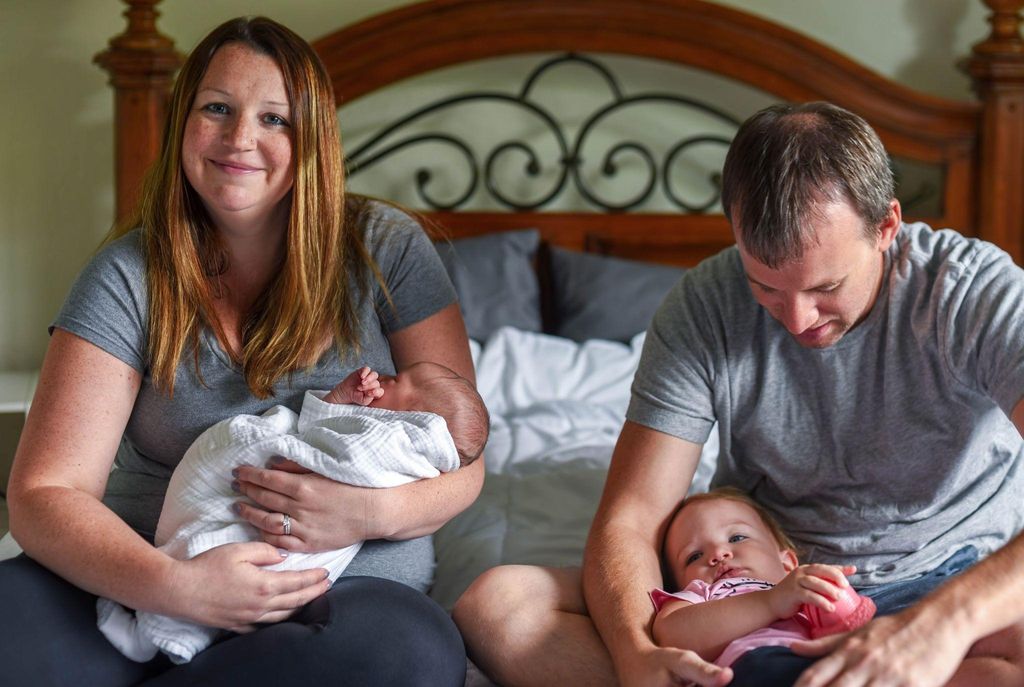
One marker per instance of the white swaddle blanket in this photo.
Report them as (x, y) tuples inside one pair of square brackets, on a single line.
[(366, 447)]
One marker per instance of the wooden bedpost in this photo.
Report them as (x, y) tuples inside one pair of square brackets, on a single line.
[(142, 63), (997, 68)]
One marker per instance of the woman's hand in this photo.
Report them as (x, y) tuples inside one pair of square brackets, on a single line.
[(815, 584), (227, 587), (322, 514)]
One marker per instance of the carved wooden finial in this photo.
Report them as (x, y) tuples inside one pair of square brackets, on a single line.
[(142, 63), (1000, 57), (1005, 20), (996, 66), (141, 54)]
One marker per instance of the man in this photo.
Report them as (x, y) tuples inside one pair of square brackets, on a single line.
[(867, 377)]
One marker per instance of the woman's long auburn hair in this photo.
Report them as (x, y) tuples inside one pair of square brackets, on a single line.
[(325, 269)]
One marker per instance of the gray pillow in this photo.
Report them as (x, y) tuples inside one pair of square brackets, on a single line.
[(600, 297), (495, 280)]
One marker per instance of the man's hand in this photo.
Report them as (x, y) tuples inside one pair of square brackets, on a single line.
[(896, 650), (665, 667)]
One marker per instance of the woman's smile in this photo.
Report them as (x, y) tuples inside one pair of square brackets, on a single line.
[(237, 148)]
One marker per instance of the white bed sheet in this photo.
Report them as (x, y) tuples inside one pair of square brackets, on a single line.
[(556, 410)]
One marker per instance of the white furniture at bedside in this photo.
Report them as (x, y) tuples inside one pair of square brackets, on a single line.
[(16, 391)]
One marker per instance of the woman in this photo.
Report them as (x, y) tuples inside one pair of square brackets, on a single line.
[(251, 279)]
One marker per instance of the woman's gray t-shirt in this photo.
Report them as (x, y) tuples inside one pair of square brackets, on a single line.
[(107, 306)]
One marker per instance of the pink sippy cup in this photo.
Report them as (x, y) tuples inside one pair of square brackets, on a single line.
[(852, 611)]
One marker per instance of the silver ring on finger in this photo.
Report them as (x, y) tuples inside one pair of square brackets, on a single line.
[(286, 524)]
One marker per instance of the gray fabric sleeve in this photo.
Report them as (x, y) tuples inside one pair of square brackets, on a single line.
[(984, 326), (415, 276), (673, 388), (107, 305)]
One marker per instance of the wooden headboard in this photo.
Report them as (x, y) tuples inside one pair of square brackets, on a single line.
[(979, 145)]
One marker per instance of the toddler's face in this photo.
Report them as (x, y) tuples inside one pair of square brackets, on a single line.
[(719, 538)]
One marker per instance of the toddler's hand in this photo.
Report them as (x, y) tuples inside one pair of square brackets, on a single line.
[(362, 387), (816, 585)]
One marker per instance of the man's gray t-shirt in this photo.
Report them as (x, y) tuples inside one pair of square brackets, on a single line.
[(889, 450), (108, 305)]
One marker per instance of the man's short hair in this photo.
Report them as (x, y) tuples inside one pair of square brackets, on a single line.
[(788, 160)]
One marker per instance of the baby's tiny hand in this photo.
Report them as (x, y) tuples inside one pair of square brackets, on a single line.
[(361, 387), (816, 585), (368, 388)]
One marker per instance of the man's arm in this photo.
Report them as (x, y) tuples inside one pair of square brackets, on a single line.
[(1018, 417), (650, 473), (925, 644)]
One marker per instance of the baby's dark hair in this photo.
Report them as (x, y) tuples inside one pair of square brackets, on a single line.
[(454, 398), (729, 494)]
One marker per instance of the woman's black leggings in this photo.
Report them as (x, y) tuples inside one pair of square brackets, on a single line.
[(364, 631)]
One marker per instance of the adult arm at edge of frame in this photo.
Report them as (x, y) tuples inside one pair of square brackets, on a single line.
[(84, 399)]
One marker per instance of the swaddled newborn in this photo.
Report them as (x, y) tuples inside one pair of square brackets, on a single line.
[(368, 431)]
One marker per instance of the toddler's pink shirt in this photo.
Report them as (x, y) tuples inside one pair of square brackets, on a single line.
[(780, 633)]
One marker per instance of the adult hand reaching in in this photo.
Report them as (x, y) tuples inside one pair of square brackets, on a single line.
[(903, 649)]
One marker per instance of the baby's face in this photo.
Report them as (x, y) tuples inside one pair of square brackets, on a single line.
[(719, 538)]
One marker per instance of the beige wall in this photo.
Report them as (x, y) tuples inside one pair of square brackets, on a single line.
[(55, 147)]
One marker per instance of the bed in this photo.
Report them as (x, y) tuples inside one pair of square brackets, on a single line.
[(560, 269)]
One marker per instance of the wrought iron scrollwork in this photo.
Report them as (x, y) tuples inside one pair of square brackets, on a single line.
[(550, 173), (568, 163)]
